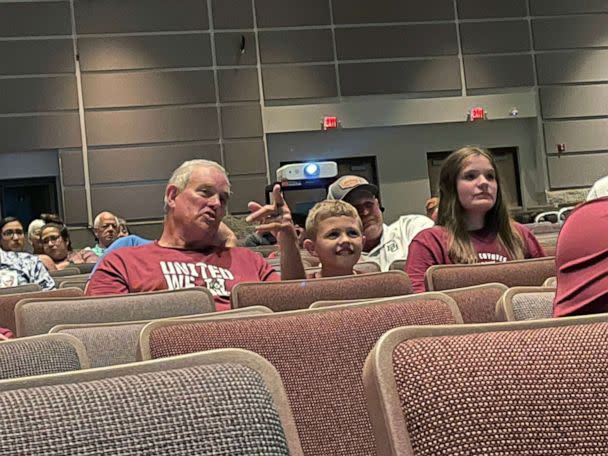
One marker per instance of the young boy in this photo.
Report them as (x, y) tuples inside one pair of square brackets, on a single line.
[(334, 235)]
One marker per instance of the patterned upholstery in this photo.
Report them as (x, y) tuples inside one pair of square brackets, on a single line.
[(299, 294), (533, 388), (27, 288), (512, 273), (526, 303), (109, 344), (41, 355), (220, 408), (477, 304), (319, 354), (40, 315), (8, 302)]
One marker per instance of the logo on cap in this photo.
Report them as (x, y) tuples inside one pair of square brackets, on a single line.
[(351, 181)]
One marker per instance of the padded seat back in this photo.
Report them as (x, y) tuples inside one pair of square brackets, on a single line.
[(40, 355), (299, 294), (531, 272), (530, 388), (526, 303), (109, 344), (319, 354), (227, 402), (8, 302), (477, 304), (38, 316)]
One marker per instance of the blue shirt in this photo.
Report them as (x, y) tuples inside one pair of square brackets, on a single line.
[(127, 241), (20, 268)]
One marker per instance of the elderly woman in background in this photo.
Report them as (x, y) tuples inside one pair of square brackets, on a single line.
[(56, 243)]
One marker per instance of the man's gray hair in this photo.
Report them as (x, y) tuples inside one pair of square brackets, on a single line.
[(181, 176), (97, 220)]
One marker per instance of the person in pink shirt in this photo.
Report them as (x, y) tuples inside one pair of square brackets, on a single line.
[(473, 223), (582, 261)]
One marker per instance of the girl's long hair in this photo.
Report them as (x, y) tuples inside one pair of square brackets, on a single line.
[(452, 216)]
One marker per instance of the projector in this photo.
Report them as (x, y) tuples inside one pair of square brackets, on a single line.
[(310, 170)]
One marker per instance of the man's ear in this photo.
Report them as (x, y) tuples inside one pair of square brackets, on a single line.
[(170, 194), (310, 246)]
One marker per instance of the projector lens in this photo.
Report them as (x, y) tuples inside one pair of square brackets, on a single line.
[(311, 170)]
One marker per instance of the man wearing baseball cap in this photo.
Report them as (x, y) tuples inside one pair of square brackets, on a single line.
[(383, 243)]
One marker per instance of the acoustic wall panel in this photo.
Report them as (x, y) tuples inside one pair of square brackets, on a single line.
[(35, 18), (242, 121), (232, 14), (105, 90), (38, 94), (238, 84), (49, 131), (441, 74), (72, 171), (479, 9), (244, 189), (574, 101), (494, 37), (228, 49), (555, 7), (149, 163), (396, 41), (245, 157), (135, 202), (311, 81), (128, 16), (576, 170), (572, 66), (36, 57), (140, 126), (148, 51), (75, 206), (577, 136), (290, 13), (365, 11), (483, 72), (291, 46), (571, 32)]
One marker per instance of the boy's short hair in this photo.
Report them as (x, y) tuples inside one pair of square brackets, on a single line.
[(326, 209)]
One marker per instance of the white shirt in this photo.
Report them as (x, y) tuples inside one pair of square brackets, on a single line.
[(395, 241), (599, 189)]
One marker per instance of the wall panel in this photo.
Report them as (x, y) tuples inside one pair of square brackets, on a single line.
[(72, 171), (479, 9), (245, 157), (571, 32), (290, 13), (238, 84), (364, 11), (38, 56), (574, 101), (54, 131), (291, 46), (140, 126), (107, 90), (577, 135), (34, 19), (128, 16), (244, 189), (75, 206), (135, 202), (148, 51), (228, 49), (572, 66), (232, 14), (396, 41), (494, 37), (498, 71), (555, 7), (568, 171), (38, 94), (242, 121), (311, 81), (400, 77)]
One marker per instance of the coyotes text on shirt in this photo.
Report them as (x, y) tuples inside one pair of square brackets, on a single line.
[(184, 275), (492, 257)]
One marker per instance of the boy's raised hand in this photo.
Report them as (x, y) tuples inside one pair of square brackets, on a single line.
[(274, 218)]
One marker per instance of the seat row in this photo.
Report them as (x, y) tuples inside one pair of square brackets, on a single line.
[(396, 377)]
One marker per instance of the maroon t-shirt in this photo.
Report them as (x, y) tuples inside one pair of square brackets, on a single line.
[(430, 247), (152, 267)]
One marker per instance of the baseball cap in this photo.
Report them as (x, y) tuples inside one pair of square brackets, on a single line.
[(345, 185)]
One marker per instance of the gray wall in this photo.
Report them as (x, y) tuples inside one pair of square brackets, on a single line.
[(164, 81), (401, 154)]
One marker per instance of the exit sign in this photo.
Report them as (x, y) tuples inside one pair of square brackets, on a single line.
[(330, 122), (477, 113)]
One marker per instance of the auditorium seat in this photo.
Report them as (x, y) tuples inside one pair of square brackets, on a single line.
[(319, 354), (73, 281), (526, 303), (477, 304), (532, 272), (299, 294), (69, 271), (524, 388), (226, 402), (109, 344), (40, 355), (38, 315), (363, 267), (551, 282), (8, 302), (28, 287), (397, 265)]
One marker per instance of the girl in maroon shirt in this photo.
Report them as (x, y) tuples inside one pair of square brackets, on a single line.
[(473, 223)]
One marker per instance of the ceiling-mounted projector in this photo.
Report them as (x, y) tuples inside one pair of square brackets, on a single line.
[(310, 170)]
